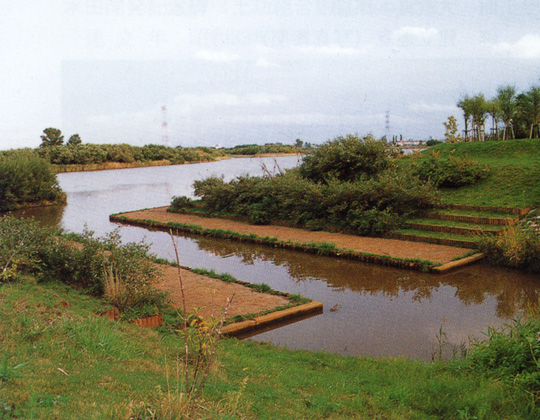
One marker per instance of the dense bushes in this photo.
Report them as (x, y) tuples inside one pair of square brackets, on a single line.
[(26, 179), (347, 159), (512, 354), (452, 172), (348, 183), (121, 273), (368, 206), (83, 154), (515, 247), (257, 149)]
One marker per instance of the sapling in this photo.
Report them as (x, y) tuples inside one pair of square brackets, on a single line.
[(207, 338)]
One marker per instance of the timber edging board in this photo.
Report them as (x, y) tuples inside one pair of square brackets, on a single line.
[(452, 265), (473, 219), (261, 321), (511, 210)]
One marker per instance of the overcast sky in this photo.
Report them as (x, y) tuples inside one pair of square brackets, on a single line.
[(254, 71)]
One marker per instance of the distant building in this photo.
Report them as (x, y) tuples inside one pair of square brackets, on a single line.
[(410, 143)]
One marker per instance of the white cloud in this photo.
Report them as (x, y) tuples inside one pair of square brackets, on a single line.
[(331, 50), (209, 100), (527, 47), (217, 56), (265, 99), (415, 32), (189, 102), (425, 107), (264, 62), (296, 119)]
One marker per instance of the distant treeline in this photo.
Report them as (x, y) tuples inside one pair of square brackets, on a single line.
[(257, 149), (82, 154)]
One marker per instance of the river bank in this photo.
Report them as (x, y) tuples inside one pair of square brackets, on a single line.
[(71, 362), (147, 164), (400, 253)]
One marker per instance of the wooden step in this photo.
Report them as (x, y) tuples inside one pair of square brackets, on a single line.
[(496, 221), (459, 230), (433, 238)]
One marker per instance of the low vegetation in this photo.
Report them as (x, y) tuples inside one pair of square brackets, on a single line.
[(506, 173), (515, 247), (26, 179), (265, 149), (59, 360), (369, 195), (122, 274)]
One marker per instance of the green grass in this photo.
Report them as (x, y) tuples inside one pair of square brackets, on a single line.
[(73, 365), (454, 223), (438, 235), (475, 213), (514, 179)]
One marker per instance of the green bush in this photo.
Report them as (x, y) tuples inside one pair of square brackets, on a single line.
[(181, 203), (20, 241), (347, 159), (516, 247), (123, 274), (129, 277), (512, 354), (453, 172), (25, 178), (367, 206)]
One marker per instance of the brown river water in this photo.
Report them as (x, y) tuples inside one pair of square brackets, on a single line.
[(377, 311)]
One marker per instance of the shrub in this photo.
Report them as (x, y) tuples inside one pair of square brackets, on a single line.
[(181, 203), (516, 247), (26, 178), (511, 354), (347, 159), (129, 275), (367, 206), (20, 240), (454, 172)]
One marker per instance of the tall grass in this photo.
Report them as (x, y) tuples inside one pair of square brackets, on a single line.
[(516, 247)]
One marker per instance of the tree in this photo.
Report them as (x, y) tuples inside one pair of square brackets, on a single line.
[(506, 97), (51, 137), (530, 107), (299, 143), (465, 105), (451, 131), (74, 140), (494, 110), (478, 109), (347, 159)]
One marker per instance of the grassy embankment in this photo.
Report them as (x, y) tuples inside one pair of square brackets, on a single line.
[(514, 172), (512, 181), (58, 360)]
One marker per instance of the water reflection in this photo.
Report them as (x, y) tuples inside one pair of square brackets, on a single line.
[(473, 285), (47, 216)]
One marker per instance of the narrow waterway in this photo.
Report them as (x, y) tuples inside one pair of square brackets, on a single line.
[(369, 310)]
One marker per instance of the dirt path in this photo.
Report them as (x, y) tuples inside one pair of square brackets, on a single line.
[(210, 294), (378, 246)]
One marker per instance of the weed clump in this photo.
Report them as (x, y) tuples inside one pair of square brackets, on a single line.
[(516, 247), (452, 172), (512, 354)]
